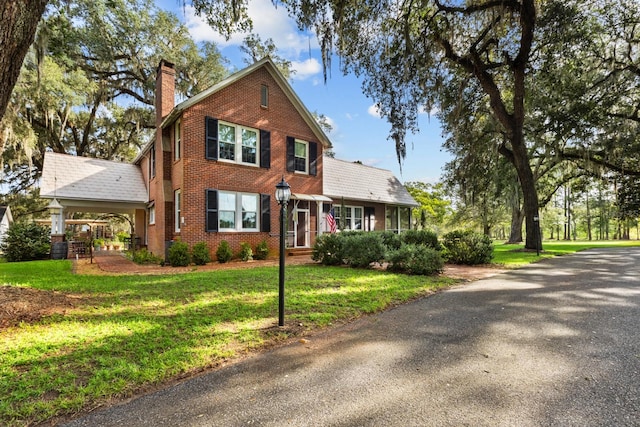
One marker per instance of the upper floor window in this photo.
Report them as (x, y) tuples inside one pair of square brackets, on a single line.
[(264, 96), (152, 215), (238, 143), (152, 162), (302, 156), (177, 139)]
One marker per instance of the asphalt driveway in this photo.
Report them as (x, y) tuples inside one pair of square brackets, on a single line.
[(553, 344)]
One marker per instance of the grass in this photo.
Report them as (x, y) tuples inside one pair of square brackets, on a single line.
[(130, 333), (514, 255)]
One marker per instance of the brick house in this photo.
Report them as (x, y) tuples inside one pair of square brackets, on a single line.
[(210, 173)]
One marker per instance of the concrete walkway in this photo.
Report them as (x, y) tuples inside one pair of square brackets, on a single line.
[(554, 344)]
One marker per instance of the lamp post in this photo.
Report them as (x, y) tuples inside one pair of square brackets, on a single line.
[(283, 193), (536, 221)]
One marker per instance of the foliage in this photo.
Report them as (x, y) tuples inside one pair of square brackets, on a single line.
[(179, 254), (122, 236), (257, 49), (391, 240), (467, 247), (262, 250), (143, 256), (200, 253), (421, 237), (434, 206), (246, 253), (224, 252), (416, 259), (328, 249), (26, 241), (362, 249)]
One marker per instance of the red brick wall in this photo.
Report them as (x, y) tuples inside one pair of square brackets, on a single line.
[(240, 104)]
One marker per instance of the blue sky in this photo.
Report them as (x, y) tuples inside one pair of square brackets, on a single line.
[(358, 132)]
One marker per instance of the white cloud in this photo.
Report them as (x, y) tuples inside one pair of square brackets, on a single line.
[(374, 111), (305, 69)]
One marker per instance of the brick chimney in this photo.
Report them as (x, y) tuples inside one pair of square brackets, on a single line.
[(165, 90)]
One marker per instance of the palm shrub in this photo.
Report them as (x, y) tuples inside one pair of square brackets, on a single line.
[(200, 253), (262, 250), (246, 253), (26, 242), (415, 259), (362, 249), (179, 254), (467, 247), (328, 249), (224, 252)]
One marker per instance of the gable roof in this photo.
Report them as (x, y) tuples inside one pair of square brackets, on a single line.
[(5, 211), (354, 181), (84, 178), (282, 82)]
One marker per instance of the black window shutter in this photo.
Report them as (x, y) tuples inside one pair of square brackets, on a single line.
[(291, 147), (265, 210), (212, 210), (313, 158), (265, 149), (211, 138)]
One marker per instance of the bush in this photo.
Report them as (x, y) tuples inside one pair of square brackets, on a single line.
[(262, 250), (391, 240), (224, 253), (26, 242), (421, 237), (143, 256), (416, 259), (467, 247), (328, 249), (362, 249), (246, 253), (200, 254), (179, 254)]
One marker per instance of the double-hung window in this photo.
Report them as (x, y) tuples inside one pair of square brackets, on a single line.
[(238, 211), (177, 137), (301, 156), (350, 218), (238, 143)]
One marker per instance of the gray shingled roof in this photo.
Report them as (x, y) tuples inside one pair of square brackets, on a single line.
[(354, 181), (83, 178)]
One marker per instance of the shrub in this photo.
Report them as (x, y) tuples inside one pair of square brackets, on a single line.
[(26, 242), (262, 250), (467, 247), (246, 253), (362, 249), (328, 249), (143, 256), (416, 259), (224, 253), (179, 254), (421, 237), (391, 240), (200, 254)]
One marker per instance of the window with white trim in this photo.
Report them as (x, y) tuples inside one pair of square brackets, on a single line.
[(238, 211), (152, 215), (238, 144), (350, 219), (177, 137), (301, 156), (397, 218), (177, 200)]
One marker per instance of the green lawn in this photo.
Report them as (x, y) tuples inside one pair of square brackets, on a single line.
[(131, 332), (514, 256)]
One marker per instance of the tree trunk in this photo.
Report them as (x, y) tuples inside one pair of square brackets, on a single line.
[(18, 23), (517, 216)]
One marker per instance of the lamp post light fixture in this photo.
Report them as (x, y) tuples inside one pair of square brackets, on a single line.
[(283, 194), (55, 209), (536, 220)]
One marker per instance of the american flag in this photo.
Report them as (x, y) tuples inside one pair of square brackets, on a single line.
[(331, 221)]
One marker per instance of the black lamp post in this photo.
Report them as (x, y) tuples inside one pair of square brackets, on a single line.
[(283, 194)]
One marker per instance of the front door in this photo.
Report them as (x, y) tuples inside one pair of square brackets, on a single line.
[(302, 228)]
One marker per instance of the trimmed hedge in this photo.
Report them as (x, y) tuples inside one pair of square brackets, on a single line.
[(363, 249), (179, 254), (224, 252), (467, 247), (416, 259), (328, 249), (421, 237), (200, 254), (262, 250)]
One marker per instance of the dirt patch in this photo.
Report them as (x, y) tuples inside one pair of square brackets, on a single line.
[(27, 305)]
